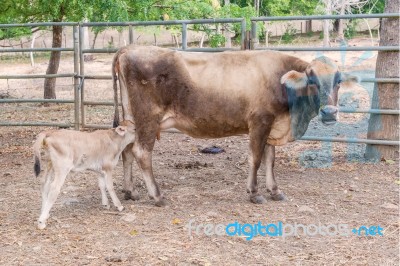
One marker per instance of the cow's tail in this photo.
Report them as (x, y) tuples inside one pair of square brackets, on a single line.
[(36, 152), (115, 70)]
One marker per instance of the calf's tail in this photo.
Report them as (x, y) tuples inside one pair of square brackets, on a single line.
[(36, 152), (114, 71)]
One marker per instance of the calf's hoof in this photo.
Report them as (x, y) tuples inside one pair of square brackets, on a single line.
[(258, 199), (131, 195), (279, 197), (41, 225), (106, 206), (120, 208)]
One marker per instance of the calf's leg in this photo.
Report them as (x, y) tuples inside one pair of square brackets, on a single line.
[(110, 187), (54, 189), (102, 186), (46, 183), (129, 181), (272, 187)]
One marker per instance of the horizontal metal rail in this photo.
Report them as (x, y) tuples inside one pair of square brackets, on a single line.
[(367, 80), (18, 50), (35, 124), (161, 23), (39, 24), (305, 138), (106, 77), (352, 140), (370, 111), (381, 80), (66, 75), (98, 103), (332, 49), (35, 101), (352, 16)]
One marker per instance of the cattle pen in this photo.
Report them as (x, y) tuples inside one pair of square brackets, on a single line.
[(247, 41)]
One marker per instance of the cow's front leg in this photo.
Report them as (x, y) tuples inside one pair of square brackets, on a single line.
[(258, 138), (129, 180), (144, 160), (272, 187)]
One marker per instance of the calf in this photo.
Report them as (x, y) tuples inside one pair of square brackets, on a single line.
[(75, 151)]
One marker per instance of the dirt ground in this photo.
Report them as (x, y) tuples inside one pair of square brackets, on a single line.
[(324, 183)]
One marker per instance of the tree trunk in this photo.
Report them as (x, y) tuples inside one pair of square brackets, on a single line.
[(54, 62), (326, 22), (340, 34), (386, 95), (227, 34)]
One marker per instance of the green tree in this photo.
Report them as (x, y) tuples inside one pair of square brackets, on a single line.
[(59, 11)]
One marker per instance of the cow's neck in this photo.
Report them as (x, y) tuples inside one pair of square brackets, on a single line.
[(302, 110)]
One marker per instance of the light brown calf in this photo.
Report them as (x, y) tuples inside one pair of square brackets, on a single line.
[(75, 151)]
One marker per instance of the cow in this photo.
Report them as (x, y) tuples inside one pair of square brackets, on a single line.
[(69, 150), (268, 95)]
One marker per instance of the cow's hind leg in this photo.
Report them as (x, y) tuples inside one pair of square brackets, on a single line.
[(258, 136), (144, 161), (129, 181), (272, 187)]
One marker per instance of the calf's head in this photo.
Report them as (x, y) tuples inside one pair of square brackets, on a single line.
[(126, 130), (317, 88)]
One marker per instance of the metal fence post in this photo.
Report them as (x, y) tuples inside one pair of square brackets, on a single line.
[(243, 35), (184, 36), (130, 34), (82, 73), (253, 38), (76, 77)]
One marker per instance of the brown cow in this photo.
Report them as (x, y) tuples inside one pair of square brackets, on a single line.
[(268, 95)]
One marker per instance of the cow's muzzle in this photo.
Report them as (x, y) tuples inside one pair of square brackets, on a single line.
[(329, 114)]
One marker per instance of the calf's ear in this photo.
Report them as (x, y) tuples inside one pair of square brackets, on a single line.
[(294, 80), (121, 130)]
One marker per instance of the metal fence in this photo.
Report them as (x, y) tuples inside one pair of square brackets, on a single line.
[(79, 63)]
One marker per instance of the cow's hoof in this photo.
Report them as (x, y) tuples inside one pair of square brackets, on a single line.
[(107, 207), (41, 225), (160, 203), (258, 199), (279, 197), (120, 208), (131, 195)]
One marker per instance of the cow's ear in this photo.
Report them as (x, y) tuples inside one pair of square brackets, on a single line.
[(121, 130), (294, 80)]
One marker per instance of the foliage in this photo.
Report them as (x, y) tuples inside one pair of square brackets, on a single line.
[(350, 30), (216, 40), (289, 34)]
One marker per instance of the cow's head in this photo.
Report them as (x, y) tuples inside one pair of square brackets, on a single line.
[(318, 85)]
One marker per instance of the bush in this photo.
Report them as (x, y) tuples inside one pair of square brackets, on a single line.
[(350, 30), (289, 34), (217, 40)]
